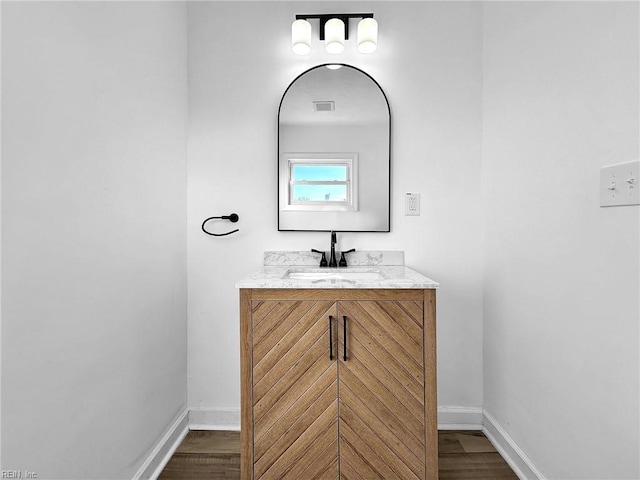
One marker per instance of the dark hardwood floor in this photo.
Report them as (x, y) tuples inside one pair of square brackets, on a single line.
[(462, 455)]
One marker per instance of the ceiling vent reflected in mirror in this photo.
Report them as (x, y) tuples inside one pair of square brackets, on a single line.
[(324, 105)]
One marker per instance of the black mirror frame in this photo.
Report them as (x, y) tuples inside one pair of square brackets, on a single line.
[(389, 154)]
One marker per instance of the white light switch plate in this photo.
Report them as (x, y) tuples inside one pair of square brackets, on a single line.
[(412, 204), (620, 184)]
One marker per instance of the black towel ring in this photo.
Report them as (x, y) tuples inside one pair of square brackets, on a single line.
[(232, 218)]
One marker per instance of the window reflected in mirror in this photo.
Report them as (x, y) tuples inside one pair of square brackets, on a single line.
[(318, 182)]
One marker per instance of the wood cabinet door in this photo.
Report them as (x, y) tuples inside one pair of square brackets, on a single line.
[(381, 390), (295, 390)]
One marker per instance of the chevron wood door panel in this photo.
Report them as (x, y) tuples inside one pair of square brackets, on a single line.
[(381, 389), (295, 390)]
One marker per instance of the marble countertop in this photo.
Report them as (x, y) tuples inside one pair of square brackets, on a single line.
[(380, 276)]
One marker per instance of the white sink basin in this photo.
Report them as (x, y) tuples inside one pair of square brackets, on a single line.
[(315, 274)]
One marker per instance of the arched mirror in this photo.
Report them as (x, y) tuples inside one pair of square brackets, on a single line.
[(334, 152)]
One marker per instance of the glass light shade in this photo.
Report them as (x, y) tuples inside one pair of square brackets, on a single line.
[(367, 35), (334, 36), (301, 37)]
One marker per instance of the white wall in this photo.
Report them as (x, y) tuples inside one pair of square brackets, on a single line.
[(94, 130), (429, 65), (561, 305), (93, 234)]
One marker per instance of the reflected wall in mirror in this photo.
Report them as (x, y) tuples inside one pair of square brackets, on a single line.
[(334, 152)]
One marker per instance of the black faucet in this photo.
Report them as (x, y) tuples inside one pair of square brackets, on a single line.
[(323, 260), (343, 261), (332, 260)]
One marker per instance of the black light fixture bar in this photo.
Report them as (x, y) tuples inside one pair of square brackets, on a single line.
[(325, 17)]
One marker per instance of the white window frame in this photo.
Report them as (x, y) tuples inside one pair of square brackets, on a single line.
[(289, 160)]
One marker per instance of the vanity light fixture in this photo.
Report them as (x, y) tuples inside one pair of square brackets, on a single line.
[(367, 35), (334, 30), (301, 37), (334, 36)]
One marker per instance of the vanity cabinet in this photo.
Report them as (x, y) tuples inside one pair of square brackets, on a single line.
[(338, 383)]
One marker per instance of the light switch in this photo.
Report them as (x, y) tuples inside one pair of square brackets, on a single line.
[(620, 184)]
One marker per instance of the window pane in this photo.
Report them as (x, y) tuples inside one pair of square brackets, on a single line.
[(319, 193), (322, 173)]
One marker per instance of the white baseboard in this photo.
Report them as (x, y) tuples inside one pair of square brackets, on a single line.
[(166, 446), (214, 419), (522, 465), (459, 418)]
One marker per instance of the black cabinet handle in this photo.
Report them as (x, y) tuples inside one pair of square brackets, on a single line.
[(330, 337), (344, 338)]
